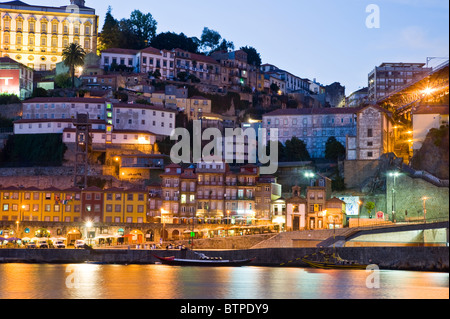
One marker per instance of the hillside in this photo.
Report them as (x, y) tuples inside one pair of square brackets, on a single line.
[(433, 157)]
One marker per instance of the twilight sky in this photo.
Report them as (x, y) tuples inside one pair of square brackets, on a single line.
[(323, 39)]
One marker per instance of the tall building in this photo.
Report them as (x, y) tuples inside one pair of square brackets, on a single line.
[(36, 35), (389, 77)]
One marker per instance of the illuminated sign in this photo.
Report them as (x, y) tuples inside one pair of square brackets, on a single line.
[(10, 81)]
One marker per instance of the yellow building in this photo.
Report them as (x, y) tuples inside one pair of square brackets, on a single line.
[(36, 35), (114, 205), (135, 206), (197, 106)]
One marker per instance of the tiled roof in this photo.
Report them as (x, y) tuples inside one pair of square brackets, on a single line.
[(120, 51), (64, 99)]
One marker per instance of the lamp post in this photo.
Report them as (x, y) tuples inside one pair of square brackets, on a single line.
[(359, 210), (394, 175), (424, 199)]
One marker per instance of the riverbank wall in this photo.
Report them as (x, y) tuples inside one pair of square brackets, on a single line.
[(394, 258)]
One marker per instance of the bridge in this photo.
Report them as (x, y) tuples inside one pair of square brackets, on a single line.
[(433, 87)]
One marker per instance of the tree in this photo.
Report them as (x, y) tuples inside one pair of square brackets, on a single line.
[(224, 46), (73, 56), (253, 57), (370, 206), (210, 39), (295, 150), (274, 88), (171, 40), (63, 80), (334, 150), (109, 37), (128, 38), (144, 27)]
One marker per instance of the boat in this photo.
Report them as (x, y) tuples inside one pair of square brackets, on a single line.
[(325, 260), (204, 261)]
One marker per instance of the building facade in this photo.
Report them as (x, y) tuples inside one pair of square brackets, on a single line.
[(313, 126), (374, 135), (36, 35), (389, 77), (114, 205)]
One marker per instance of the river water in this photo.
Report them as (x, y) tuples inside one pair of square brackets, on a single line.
[(90, 281)]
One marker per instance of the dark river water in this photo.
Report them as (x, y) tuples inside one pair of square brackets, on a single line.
[(90, 281)]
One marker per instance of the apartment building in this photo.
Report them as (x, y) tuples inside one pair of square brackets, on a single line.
[(155, 119), (211, 192), (152, 59), (233, 67), (114, 57), (63, 108), (389, 77), (313, 126), (114, 205), (205, 68), (36, 35), (120, 116)]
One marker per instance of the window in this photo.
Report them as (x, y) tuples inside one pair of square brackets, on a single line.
[(129, 208), (369, 154), (117, 208), (369, 132)]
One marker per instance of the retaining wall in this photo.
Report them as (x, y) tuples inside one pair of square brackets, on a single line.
[(397, 258)]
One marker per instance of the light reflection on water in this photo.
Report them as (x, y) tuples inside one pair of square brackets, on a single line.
[(88, 281)]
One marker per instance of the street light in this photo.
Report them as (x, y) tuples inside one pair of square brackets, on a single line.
[(394, 175), (359, 210), (424, 199)]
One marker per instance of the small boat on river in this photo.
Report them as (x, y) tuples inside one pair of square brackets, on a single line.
[(331, 261), (204, 261)]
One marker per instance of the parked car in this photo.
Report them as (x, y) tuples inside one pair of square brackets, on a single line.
[(31, 245), (42, 243), (79, 243), (59, 244)]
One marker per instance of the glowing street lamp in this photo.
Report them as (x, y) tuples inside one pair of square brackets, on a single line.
[(394, 175), (428, 91)]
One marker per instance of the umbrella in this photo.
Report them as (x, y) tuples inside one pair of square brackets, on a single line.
[(2, 238), (12, 238)]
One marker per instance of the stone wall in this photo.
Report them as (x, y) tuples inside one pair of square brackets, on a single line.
[(404, 258), (408, 197), (358, 171)]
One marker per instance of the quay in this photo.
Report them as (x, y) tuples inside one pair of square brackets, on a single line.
[(393, 258)]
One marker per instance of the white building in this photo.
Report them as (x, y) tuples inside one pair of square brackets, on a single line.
[(50, 126), (63, 108), (151, 59), (155, 119), (119, 137), (137, 117), (117, 56)]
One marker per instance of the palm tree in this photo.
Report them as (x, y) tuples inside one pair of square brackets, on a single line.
[(73, 56)]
